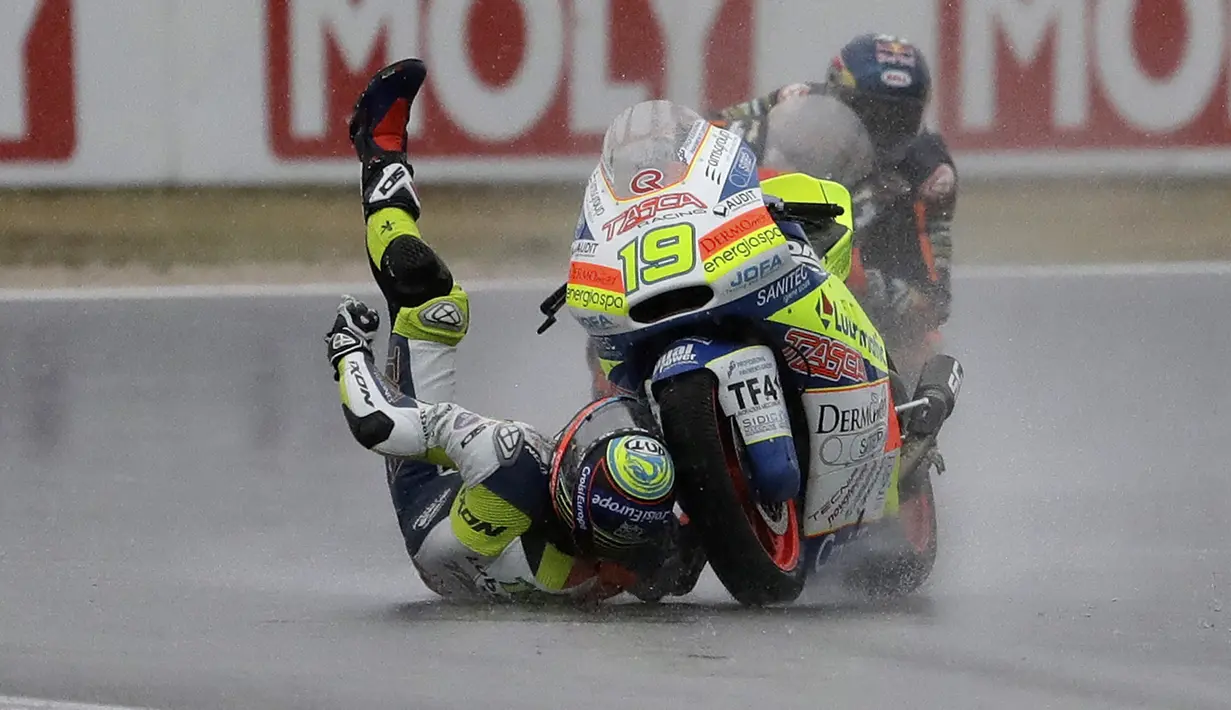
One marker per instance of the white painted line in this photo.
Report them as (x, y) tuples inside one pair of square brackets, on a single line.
[(154, 293), (10, 703), (1166, 268), (544, 286), (308, 290)]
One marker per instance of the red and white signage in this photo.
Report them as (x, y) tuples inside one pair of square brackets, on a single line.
[(37, 95), (1108, 76), (506, 78), (241, 92)]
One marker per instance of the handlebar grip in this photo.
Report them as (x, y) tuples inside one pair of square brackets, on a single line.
[(939, 384), (812, 210), (553, 303)]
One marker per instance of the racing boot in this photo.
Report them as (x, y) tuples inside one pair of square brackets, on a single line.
[(430, 313), (406, 269)]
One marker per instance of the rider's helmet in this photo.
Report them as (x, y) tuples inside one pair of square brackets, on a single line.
[(612, 480), (886, 81)]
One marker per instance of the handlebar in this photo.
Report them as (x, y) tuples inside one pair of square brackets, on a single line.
[(551, 306), (819, 213)]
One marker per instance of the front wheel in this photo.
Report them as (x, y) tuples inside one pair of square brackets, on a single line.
[(755, 554)]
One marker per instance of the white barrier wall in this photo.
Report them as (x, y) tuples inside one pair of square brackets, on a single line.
[(97, 92)]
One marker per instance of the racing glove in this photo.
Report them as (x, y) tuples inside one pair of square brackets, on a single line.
[(353, 330)]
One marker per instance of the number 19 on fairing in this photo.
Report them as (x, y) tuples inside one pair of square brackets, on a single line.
[(659, 254)]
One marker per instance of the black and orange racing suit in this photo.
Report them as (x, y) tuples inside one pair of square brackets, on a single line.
[(903, 228)]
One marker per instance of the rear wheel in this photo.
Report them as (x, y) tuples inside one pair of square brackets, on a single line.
[(902, 557), (756, 552)]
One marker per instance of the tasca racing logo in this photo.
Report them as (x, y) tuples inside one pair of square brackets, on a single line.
[(743, 249), (648, 209)]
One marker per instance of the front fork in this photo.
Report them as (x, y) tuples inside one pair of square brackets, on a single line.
[(749, 391)]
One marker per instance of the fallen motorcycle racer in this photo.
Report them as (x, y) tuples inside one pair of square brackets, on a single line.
[(489, 509)]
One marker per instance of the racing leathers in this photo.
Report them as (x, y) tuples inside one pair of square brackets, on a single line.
[(470, 492), (903, 219)]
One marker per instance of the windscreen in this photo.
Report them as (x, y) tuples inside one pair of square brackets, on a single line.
[(649, 146)]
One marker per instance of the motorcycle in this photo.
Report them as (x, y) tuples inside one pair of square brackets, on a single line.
[(721, 301)]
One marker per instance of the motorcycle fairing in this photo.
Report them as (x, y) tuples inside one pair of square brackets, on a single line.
[(854, 456), (797, 187), (755, 306), (706, 229), (803, 305), (831, 312)]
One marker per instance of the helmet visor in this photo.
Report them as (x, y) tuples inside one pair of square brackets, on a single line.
[(889, 120)]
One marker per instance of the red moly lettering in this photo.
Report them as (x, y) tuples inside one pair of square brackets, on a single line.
[(1084, 74), (508, 78), (38, 112)]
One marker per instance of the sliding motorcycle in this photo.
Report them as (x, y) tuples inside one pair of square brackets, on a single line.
[(720, 300)]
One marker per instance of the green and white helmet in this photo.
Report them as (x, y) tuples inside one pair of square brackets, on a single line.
[(612, 479)]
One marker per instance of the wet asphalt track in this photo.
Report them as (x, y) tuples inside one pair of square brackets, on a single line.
[(185, 523)]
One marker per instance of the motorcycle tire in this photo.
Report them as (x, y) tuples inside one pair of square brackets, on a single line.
[(912, 545), (756, 566)]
